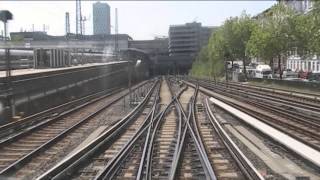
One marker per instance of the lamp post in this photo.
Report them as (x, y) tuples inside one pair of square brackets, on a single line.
[(5, 16), (131, 67)]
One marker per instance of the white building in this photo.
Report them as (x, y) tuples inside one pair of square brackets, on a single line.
[(301, 6), (295, 63)]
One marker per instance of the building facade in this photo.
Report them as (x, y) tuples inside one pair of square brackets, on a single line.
[(301, 6), (152, 47), (101, 18), (295, 63), (187, 39)]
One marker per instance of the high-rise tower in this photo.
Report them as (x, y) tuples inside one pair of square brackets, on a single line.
[(101, 18)]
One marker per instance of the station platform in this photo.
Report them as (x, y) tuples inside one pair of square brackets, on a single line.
[(34, 90), (52, 71), (296, 146)]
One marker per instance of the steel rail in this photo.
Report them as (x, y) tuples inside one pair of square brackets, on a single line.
[(295, 94), (290, 93), (309, 120), (203, 156), (180, 126), (308, 143), (176, 158), (22, 161), (146, 145), (150, 146), (114, 164), (153, 136), (244, 163), (275, 122), (304, 105), (52, 120), (72, 162), (194, 118), (8, 129), (109, 171)]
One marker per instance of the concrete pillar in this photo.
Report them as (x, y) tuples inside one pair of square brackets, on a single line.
[(51, 58), (69, 58), (35, 58), (58, 58), (62, 57), (54, 58)]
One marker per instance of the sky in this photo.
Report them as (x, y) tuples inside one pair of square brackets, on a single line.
[(140, 19)]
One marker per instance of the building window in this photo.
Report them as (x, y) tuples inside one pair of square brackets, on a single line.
[(313, 66)]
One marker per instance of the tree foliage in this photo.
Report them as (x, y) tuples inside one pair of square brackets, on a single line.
[(270, 37)]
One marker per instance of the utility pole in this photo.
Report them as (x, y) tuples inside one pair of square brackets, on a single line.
[(116, 41), (83, 19), (4, 17), (78, 18), (67, 23)]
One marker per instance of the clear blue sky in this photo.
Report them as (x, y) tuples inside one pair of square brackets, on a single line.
[(139, 19)]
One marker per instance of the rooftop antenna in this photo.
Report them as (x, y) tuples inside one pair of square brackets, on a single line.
[(195, 19), (116, 46), (67, 23)]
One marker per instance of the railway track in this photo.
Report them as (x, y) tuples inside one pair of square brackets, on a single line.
[(205, 154), (139, 161), (90, 161), (293, 100), (17, 126), (220, 157), (164, 141), (157, 140), (300, 127), (32, 151), (300, 97)]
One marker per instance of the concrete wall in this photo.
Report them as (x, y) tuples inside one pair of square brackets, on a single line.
[(312, 86), (36, 92)]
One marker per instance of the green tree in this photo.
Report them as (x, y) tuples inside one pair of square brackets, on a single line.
[(314, 27), (271, 38), (237, 33)]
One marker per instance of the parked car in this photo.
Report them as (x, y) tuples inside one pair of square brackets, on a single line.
[(304, 74), (263, 71), (314, 77), (288, 73)]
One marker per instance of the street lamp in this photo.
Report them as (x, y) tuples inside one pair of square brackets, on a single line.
[(131, 67), (5, 16)]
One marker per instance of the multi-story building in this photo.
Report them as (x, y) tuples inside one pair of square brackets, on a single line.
[(187, 39), (295, 63), (301, 6), (101, 18), (152, 47)]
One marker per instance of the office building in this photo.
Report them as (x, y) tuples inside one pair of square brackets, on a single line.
[(187, 39), (101, 18)]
